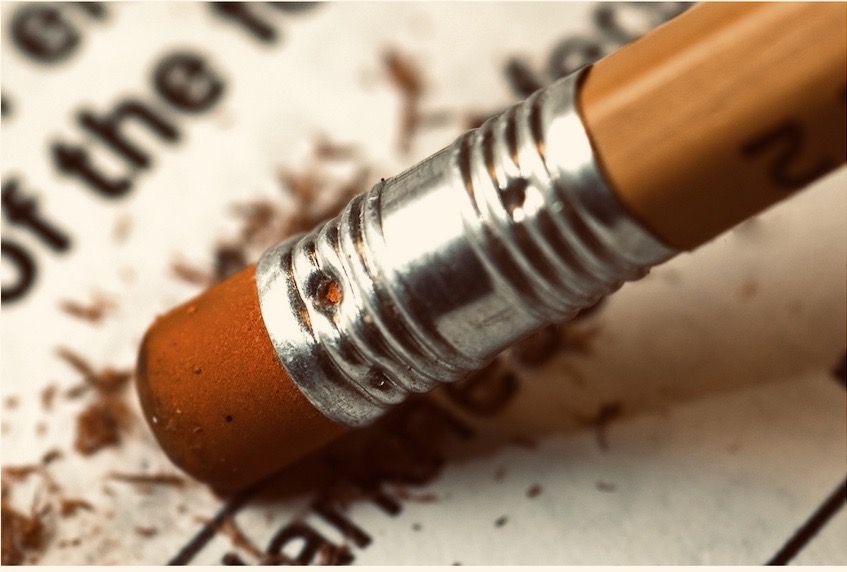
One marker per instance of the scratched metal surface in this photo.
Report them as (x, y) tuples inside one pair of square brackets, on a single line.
[(692, 419)]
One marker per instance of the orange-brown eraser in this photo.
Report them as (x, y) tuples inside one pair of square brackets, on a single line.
[(215, 394)]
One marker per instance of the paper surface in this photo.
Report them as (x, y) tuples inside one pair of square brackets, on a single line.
[(692, 419)]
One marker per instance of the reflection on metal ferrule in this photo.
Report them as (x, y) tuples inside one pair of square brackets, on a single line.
[(430, 274)]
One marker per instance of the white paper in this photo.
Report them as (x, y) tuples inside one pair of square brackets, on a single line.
[(731, 431)]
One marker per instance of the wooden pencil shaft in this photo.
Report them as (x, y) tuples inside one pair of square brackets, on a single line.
[(719, 113)]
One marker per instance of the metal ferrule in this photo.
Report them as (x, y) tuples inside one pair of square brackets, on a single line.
[(430, 274)]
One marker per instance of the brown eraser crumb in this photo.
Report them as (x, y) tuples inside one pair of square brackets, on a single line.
[(216, 396), (23, 535), (533, 491), (146, 531), (100, 425), (69, 506)]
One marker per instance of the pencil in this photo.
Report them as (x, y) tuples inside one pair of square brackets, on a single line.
[(558, 201)]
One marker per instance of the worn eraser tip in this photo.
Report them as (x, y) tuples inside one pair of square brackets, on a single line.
[(215, 394)]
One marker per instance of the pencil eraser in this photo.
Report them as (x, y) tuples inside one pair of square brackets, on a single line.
[(215, 394)]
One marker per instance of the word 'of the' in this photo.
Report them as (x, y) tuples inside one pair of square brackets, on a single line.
[(184, 81)]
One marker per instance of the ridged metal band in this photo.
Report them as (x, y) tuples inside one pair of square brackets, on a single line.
[(430, 274)]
